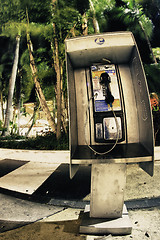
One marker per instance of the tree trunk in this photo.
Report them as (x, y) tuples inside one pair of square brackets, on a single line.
[(72, 31), (63, 106), (58, 87), (39, 92), (36, 107), (11, 88), (13, 125), (2, 106), (18, 101), (95, 22), (58, 74), (84, 25)]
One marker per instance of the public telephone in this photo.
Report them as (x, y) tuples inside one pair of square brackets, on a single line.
[(109, 107), (107, 104)]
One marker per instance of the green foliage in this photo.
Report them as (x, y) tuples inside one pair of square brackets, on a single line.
[(65, 18), (129, 17), (6, 59), (12, 29), (10, 10), (133, 18), (47, 78), (36, 29), (100, 6), (47, 142), (82, 6), (39, 10), (152, 73), (156, 52), (13, 127), (114, 19), (26, 75), (1, 125)]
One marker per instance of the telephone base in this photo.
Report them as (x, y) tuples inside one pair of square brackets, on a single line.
[(103, 226)]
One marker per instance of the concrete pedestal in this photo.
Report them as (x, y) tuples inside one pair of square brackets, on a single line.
[(107, 190), (103, 226), (106, 213)]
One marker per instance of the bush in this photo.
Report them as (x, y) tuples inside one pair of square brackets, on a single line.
[(46, 142)]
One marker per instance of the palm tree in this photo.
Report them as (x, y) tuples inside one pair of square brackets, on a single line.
[(38, 88), (58, 74), (133, 15), (95, 22), (39, 91)]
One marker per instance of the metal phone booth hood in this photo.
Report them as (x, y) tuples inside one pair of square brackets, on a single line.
[(108, 135)]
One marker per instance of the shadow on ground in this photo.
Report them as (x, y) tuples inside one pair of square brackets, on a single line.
[(57, 186)]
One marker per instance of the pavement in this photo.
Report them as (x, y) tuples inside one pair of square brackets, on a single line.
[(61, 201)]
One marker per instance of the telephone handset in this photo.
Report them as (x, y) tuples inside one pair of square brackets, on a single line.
[(107, 104), (105, 81)]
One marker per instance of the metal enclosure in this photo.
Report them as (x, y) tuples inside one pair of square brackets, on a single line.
[(118, 48)]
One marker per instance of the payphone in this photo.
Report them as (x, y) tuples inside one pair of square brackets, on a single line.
[(110, 120)]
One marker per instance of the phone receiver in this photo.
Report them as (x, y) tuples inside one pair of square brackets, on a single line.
[(105, 81)]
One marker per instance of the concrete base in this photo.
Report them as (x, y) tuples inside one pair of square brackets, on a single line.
[(107, 190), (101, 226)]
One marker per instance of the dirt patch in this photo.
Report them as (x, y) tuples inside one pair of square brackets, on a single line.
[(48, 231), (140, 185), (145, 223)]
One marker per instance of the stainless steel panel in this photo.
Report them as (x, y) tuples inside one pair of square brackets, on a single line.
[(82, 106), (90, 108), (86, 161), (143, 108), (112, 39), (73, 138), (131, 115), (84, 51), (73, 168)]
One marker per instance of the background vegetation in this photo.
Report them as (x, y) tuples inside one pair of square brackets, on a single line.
[(32, 52)]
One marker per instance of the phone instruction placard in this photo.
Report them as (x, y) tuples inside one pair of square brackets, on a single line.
[(100, 104)]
